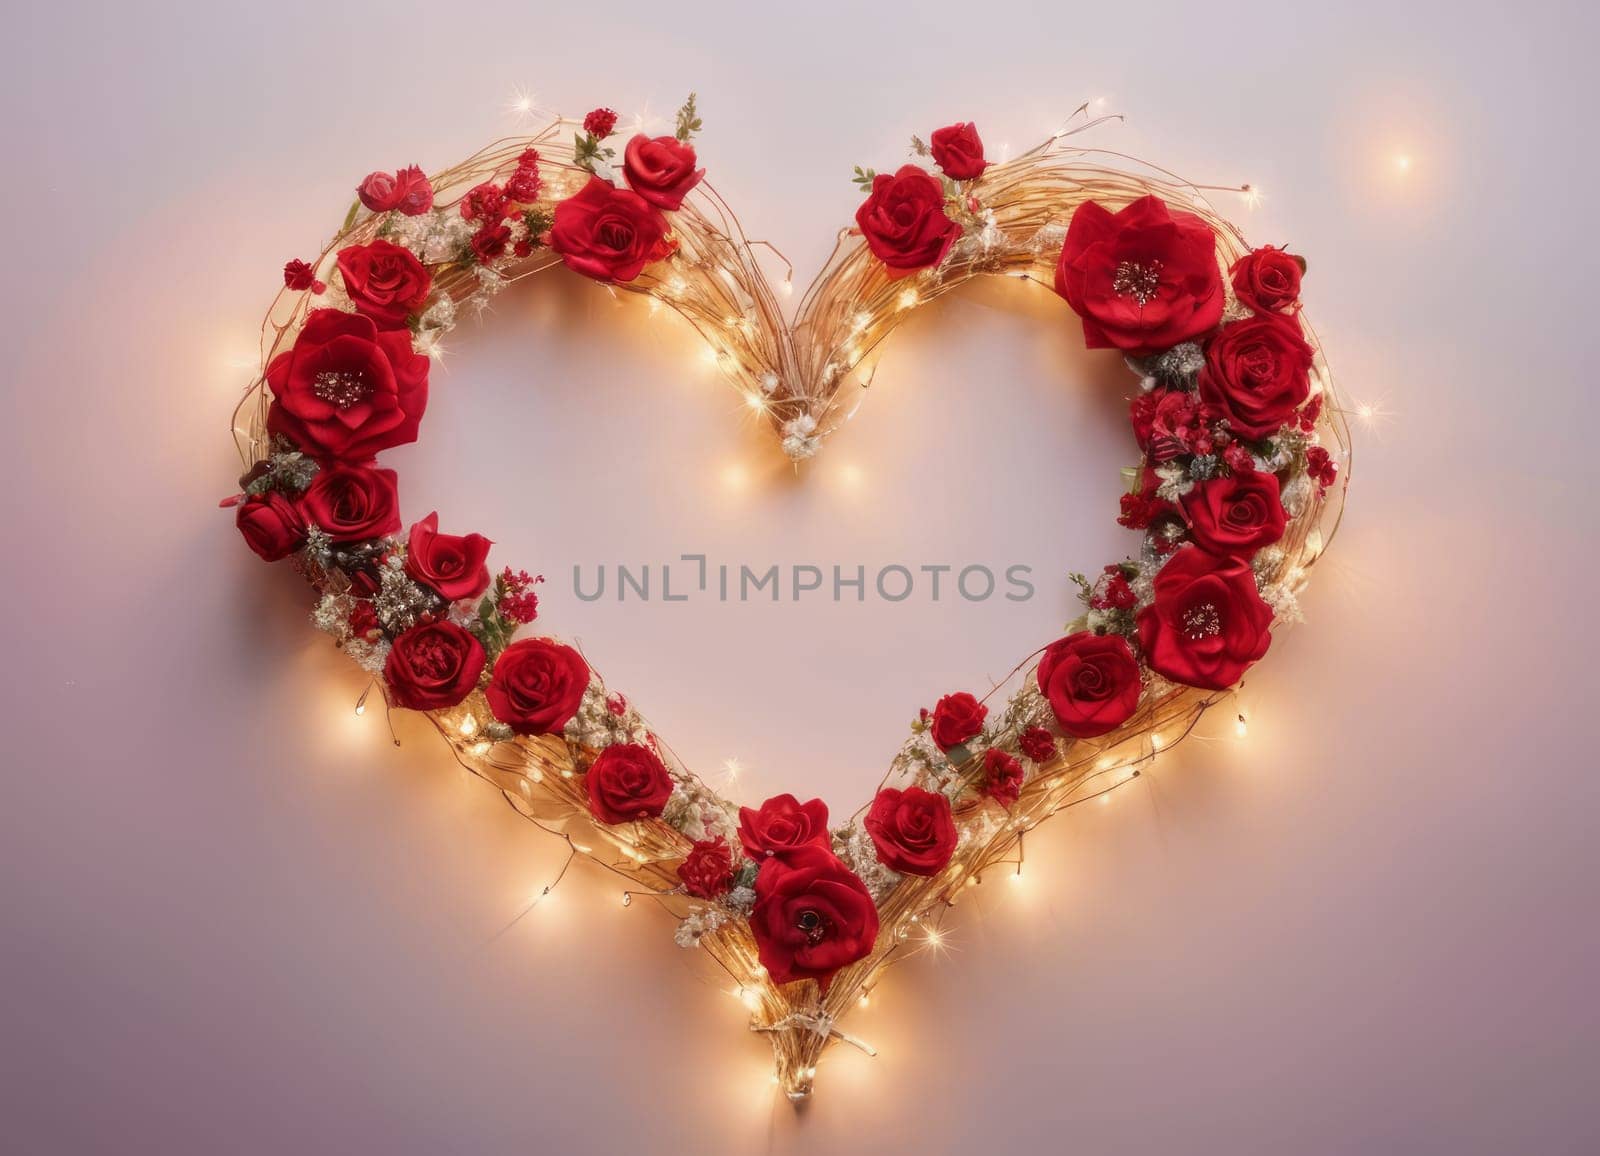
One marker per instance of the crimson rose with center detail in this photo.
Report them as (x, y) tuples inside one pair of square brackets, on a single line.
[(1268, 279), (1207, 623), (1257, 373), (608, 233), (628, 781), (904, 222), (781, 825), (1143, 278), (812, 916), (1236, 515), (384, 281), (432, 666), (1091, 681), (537, 686), (347, 389), (912, 829)]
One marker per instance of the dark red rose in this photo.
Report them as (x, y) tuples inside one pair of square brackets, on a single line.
[(628, 781), (1038, 744), (600, 122), (1235, 515), (347, 389), (537, 686), (956, 718), (812, 917), (1321, 466), (660, 169), (1143, 278), (904, 222), (384, 281), (490, 241), (525, 182), (300, 276), (782, 824), (407, 191), (1002, 777), (958, 151), (912, 830), (707, 870), (432, 666), (608, 233), (1268, 279), (1207, 623), (272, 525), (353, 503), (453, 565), (485, 202), (1257, 373), (1091, 681)]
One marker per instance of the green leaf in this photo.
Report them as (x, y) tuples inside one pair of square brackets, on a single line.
[(350, 217), (688, 119), (864, 178)]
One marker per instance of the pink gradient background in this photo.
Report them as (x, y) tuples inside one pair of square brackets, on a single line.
[(234, 917)]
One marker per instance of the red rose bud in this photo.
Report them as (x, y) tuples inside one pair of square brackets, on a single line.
[(958, 151), (660, 169), (1142, 279), (956, 718), (300, 276), (812, 917), (353, 503), (782, 825), (346, 388), (628, 782), (272, 525), (384, 281), (1207, 624), (537, 686), (1257, 373), (1268, 279), (608, 233), (1321, 466), (904, 222), (1235, 515), (406, 191), (1091, 682), (453, 566), (433, 666), (600, 122), (707, 870), (1002, 777), (913, 830), (1038, 744)]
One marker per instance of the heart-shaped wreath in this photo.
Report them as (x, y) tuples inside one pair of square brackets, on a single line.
[(1236, 496)]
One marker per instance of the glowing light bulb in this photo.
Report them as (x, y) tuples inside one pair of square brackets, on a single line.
[(1241, 727), (1156, 742), (1253, 196), (908, 298), (469, 726), (787, 287), (750, 997), (756, 402), (864, 1000)]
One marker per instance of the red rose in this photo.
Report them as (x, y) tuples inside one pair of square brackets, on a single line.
[(1038, 744), (1002, 777), (1257, 373), (384, 281), (904, 222), (537, 686), (912, 830), (1091, 681), (812, 917), (347, 389), (626, 782), (707, 870), (407, 191), (452, 565), (1143, 278), (353, 503), (485, 202), (433, 665), (1267, 279), (1207, 623), (600, 122), (1235, 515), (608, 233), (956, 718), (782, 824), (660, 169), (958, 151), (272, 525), (490, 241), (300, 276)]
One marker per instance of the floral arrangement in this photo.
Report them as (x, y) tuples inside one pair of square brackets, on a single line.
[(1233, 416)]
